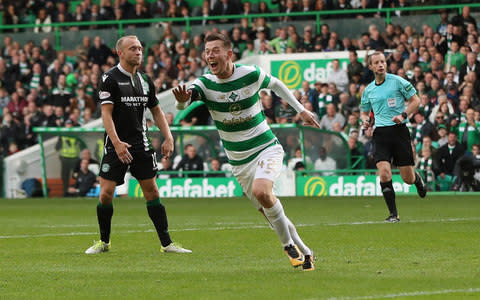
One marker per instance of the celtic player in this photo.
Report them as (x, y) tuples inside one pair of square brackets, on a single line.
[(230, 92)]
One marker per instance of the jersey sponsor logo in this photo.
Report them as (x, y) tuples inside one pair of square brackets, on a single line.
[(123, 83), (105, 168), (104, 77), (134, 100), (409, 87), (392, 102), (235, 121), (103, 95)]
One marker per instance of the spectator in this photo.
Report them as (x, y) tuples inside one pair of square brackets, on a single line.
[(331, 117), (424, 127), (165, 166), (471, 65), (426, 167), (284, 113), (442, 135), (469, 130), (43, 19), (299, 158), (467, 171), (85, 181), (85, 155), (325, 163), (215, 167), (190, 162), (99, 52), (447, 155)]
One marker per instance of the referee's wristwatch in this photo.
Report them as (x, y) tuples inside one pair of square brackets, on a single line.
[(404, 115)]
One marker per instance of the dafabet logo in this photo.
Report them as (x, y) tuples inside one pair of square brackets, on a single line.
[(290, 74), (315, 186)]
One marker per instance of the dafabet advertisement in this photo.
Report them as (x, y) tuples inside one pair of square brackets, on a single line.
[(363, 185), (294, 72)]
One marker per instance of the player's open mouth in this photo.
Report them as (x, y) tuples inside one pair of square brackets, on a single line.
[(213, 65)]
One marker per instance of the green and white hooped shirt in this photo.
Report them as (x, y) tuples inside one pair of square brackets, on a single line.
[(237, 112)]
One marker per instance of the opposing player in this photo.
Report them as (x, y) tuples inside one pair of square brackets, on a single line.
[(125, 94), (386, 96), (230, 92)]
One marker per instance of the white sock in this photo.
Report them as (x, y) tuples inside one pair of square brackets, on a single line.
[(279, 221), (296, 238)]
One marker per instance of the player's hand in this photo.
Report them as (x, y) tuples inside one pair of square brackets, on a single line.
[(122, 152), (309, 119), (167, 148), (181, 93)]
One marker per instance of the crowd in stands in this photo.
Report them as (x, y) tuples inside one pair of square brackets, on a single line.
[(44, 87)]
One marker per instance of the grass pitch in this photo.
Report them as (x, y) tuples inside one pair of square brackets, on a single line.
[(433, 253)]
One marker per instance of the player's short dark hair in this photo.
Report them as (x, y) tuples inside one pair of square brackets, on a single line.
[(219, 37)]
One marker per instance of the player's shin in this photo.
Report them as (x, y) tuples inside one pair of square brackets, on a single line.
[(297, 240), (158, 215), (279, 221), (104, 216)]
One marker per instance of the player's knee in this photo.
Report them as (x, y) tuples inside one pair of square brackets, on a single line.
[(106, 196), (149, 195)]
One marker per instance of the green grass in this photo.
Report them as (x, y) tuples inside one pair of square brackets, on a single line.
[(433, 253)]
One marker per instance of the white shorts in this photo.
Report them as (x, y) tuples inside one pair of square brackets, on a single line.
[(268, 165)]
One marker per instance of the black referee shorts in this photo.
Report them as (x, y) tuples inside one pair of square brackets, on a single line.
[(393, 144), (143, 166)]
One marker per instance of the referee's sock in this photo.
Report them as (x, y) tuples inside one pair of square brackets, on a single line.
[(389, 195), (158, 215), (104, 216)]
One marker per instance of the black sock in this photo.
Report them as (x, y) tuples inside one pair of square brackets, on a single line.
[(104, 216), (157, 213), (389, 195)]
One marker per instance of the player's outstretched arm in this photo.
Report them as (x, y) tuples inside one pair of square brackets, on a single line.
[(161, 121), (281, 89)]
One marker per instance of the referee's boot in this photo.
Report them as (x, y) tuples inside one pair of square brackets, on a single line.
[(420, 185), (392, 219), (294, 255)]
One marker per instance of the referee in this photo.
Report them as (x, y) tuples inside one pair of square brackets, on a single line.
[(125, 94), (386, 96)]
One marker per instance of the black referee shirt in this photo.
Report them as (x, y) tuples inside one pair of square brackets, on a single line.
[(130, 95)]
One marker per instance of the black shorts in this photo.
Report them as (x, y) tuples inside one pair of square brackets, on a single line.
[(393, 144), (143, 166)]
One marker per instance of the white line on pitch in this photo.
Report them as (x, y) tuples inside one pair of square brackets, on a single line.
[(223, 227), (410, 294)]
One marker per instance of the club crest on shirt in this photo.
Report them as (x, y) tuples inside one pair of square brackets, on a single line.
[(392, 102), (233, 96)]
